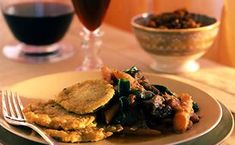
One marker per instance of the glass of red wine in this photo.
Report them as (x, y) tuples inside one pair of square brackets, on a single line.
[(91, 14), (39, 26)]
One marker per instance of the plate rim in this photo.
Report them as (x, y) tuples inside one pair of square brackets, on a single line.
[(232, 127)]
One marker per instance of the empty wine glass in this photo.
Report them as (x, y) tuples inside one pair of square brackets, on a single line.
[(39, 26), (91, 14)]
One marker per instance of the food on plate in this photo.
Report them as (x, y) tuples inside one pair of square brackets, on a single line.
[(178, 19), (183, 111), (123, 102), (85, 97), (50, 114), (138, 103), (83, 135)]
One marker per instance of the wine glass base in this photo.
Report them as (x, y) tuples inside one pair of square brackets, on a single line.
[(89, 67), (35, 54)]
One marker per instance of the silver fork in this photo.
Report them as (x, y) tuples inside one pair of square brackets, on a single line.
[(12, 112)]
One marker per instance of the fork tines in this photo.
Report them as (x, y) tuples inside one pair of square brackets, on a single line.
[(12, 106), (12, 112)]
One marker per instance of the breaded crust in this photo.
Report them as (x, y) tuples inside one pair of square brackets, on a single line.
[(82, 135), (50, 114), (85, 97)]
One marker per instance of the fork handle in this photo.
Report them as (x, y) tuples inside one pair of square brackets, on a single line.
[(46, 137)]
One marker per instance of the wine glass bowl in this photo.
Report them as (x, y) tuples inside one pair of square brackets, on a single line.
[(175, 50), (91, 14), (38, 25)]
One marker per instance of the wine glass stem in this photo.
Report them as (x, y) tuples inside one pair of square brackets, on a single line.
[(91, 45)]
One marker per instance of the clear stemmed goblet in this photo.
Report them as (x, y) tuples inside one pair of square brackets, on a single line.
[(91, 14), (39, 26)]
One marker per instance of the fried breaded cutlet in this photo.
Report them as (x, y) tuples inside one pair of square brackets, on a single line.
[(85, 97), (52, 115), (83, 135)]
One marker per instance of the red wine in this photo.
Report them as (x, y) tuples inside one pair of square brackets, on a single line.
[(38, 23), (91, 12)]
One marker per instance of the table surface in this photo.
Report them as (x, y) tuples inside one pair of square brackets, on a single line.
[(119, 50)]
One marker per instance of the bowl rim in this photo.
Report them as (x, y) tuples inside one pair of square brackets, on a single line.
[(142, 15)]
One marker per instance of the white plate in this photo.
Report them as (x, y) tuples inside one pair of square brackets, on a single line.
[(46, 87), (217, 135)]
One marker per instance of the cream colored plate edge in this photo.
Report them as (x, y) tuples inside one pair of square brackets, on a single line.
[(46, 87)]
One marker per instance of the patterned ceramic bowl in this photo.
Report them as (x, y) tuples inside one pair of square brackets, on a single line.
[(175, 50)]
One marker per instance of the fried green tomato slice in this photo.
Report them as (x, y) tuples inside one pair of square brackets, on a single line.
[(85, 97), (52, 115)]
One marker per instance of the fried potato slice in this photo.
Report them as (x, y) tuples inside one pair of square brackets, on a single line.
[(52, 115), (88, 134), (85, 97)]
